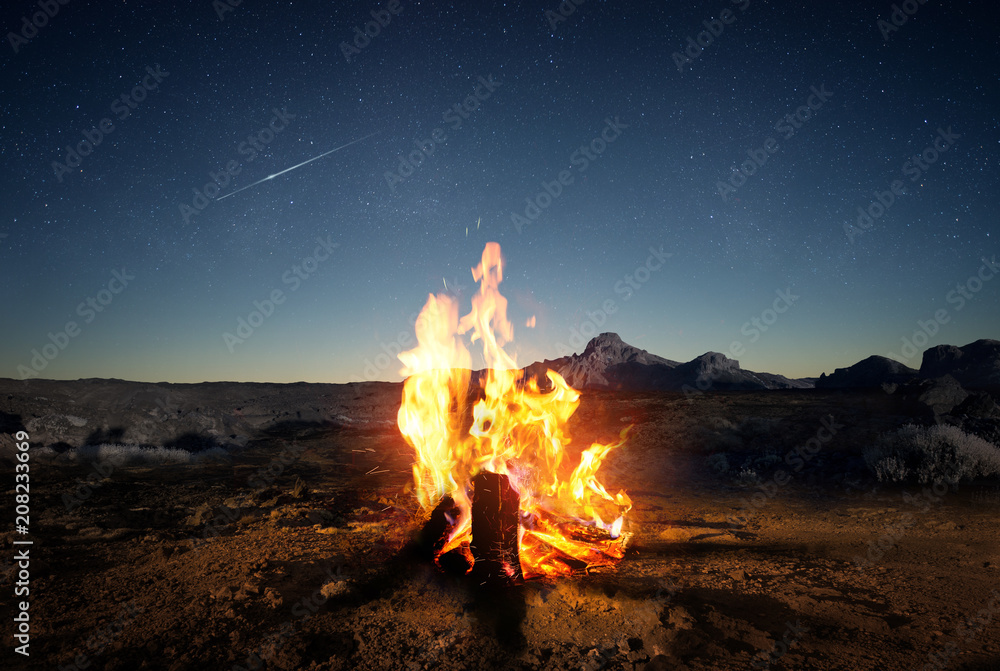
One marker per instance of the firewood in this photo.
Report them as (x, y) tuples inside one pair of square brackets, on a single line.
[(494, 547)]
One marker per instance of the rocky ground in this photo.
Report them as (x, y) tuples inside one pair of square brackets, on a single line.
[(295, 552)]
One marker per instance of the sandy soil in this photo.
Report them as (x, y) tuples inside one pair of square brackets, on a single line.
[(237, 565)]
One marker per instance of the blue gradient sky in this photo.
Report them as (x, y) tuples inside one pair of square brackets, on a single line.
[(654, 185)]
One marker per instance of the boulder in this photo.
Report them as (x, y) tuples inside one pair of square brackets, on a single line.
[(975, 366), (941, 395)]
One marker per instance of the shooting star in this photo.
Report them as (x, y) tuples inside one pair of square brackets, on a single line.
[(314, 158)]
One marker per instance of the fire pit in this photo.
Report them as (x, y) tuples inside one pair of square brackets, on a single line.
[(493, 462)]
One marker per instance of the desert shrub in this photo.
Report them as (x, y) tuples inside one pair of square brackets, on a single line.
[(43, 452), (137, 455), (931, 454)]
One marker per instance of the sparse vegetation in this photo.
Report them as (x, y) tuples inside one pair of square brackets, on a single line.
[(932, 454), (137, 455), (748, 476)]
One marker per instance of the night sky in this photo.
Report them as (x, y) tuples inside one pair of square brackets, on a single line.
[(651, 176)]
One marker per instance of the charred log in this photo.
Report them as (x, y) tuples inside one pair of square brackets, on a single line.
[(435, 533), (494, 548)]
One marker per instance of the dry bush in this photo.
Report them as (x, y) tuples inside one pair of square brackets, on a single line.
[(137, 455), (928, 454)]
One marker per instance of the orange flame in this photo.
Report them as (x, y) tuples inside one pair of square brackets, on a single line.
[(515, 429)]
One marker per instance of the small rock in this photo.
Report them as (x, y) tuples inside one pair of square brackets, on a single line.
[(273, 598), (680, 619), (336, 588), (246, 591), (201, 515)]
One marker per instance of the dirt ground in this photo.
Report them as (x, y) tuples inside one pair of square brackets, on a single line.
[(780, 551)]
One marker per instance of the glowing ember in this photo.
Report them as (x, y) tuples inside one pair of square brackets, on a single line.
[(515, 430)]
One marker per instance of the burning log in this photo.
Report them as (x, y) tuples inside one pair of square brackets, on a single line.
[(493, 553), (468, 428), (434, 537), (435, 533), (494, 546)]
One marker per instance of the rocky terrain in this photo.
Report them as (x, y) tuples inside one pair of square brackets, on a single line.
[(761, 536), (68, 414), (194, 417)]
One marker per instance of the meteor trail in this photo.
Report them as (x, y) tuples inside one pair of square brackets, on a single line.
[(297, 166)]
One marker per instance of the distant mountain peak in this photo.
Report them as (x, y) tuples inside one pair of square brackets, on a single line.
[(608, 362), (610, 348)]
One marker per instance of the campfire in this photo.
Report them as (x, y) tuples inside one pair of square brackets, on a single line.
[(509, 498)]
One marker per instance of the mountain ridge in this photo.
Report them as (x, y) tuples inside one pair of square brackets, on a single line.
[(610, 363)]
